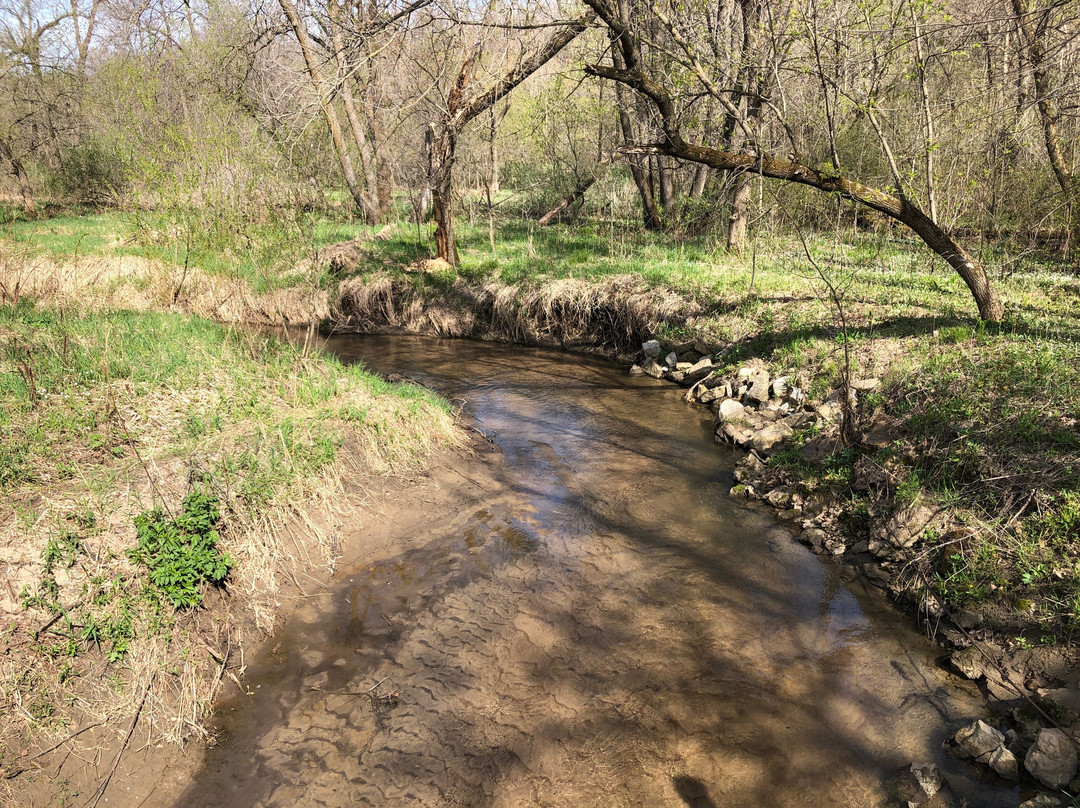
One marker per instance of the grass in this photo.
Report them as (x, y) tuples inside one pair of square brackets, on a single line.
[(112, 424)]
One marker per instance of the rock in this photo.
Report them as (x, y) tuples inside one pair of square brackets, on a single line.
[(651, 349), (765, 440), (780, 497), (835, 546), (746, 373), (860, 547), (971, 663), (865, 385), (907, 525), (828, 411), (654, 369), (1004, 763), (637, 370), (708, 396), (814, 537), (1042, 801), (759, 387), (920, 785), (1062, 702), (796, 395), (780, 386), (928, 777), (739, 491), (968, 619), (749, 468), (978, 741), (671, 360), (879, 435), (678, 376), (799, 420), (736, 432), (1052, 760), (699, 370), (729, 408)]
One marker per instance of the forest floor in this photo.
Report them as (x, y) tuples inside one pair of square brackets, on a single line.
[(119, 396)]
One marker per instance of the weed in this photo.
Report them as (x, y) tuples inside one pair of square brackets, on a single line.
[(181, 553)]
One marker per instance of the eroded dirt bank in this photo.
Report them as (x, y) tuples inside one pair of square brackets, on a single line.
[(581, 617)]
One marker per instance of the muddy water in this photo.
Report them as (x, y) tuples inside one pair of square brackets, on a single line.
[(596, 623)]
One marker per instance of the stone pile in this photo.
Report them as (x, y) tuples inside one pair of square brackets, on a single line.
[(753, 409)]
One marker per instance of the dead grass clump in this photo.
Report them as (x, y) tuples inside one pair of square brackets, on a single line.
[(140, 284), (613, 315)]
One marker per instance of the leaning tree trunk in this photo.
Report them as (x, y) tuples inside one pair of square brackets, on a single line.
[(576, 195), (326, 101), (897, 207)]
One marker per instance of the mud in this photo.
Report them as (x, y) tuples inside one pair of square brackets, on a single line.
[(581, 616)]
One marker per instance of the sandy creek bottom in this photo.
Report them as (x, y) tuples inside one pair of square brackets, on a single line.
[(598, 625)]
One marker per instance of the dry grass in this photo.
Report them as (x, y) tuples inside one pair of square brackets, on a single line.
[(613, 315), (134, 283)]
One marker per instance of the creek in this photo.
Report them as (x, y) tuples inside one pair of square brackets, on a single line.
[(598, 623)]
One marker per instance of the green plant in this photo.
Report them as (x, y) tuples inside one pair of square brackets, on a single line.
[(181, 553)]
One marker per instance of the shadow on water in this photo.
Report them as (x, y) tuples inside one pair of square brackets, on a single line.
[(604, 627)]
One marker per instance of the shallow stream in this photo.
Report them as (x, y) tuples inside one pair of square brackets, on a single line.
[(603, 626)]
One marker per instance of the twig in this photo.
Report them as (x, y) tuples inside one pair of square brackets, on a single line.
[(127, 739)]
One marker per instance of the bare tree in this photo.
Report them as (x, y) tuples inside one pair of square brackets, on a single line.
[(463, 104), (1034, 28), (672, 142)]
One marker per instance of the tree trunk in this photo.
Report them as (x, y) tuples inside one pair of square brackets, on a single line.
[(701, 179), (442, 138), (667, 184), (440, 181), (326, 101), (650, 215), (1050, 116), (740, 216), (369, 200), (755, 87)]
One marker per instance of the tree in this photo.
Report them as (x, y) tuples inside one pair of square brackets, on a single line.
[(463, 104), (671, 142), (1034, 28)]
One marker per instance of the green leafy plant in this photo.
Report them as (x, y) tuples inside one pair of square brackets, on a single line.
[(181, 553)]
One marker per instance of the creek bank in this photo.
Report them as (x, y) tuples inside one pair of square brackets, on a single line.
[(1037, 692)]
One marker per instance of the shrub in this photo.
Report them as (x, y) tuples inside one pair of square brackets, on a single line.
[(182, 553)]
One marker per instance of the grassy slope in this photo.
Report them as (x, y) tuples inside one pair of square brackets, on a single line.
[(106, 415)]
